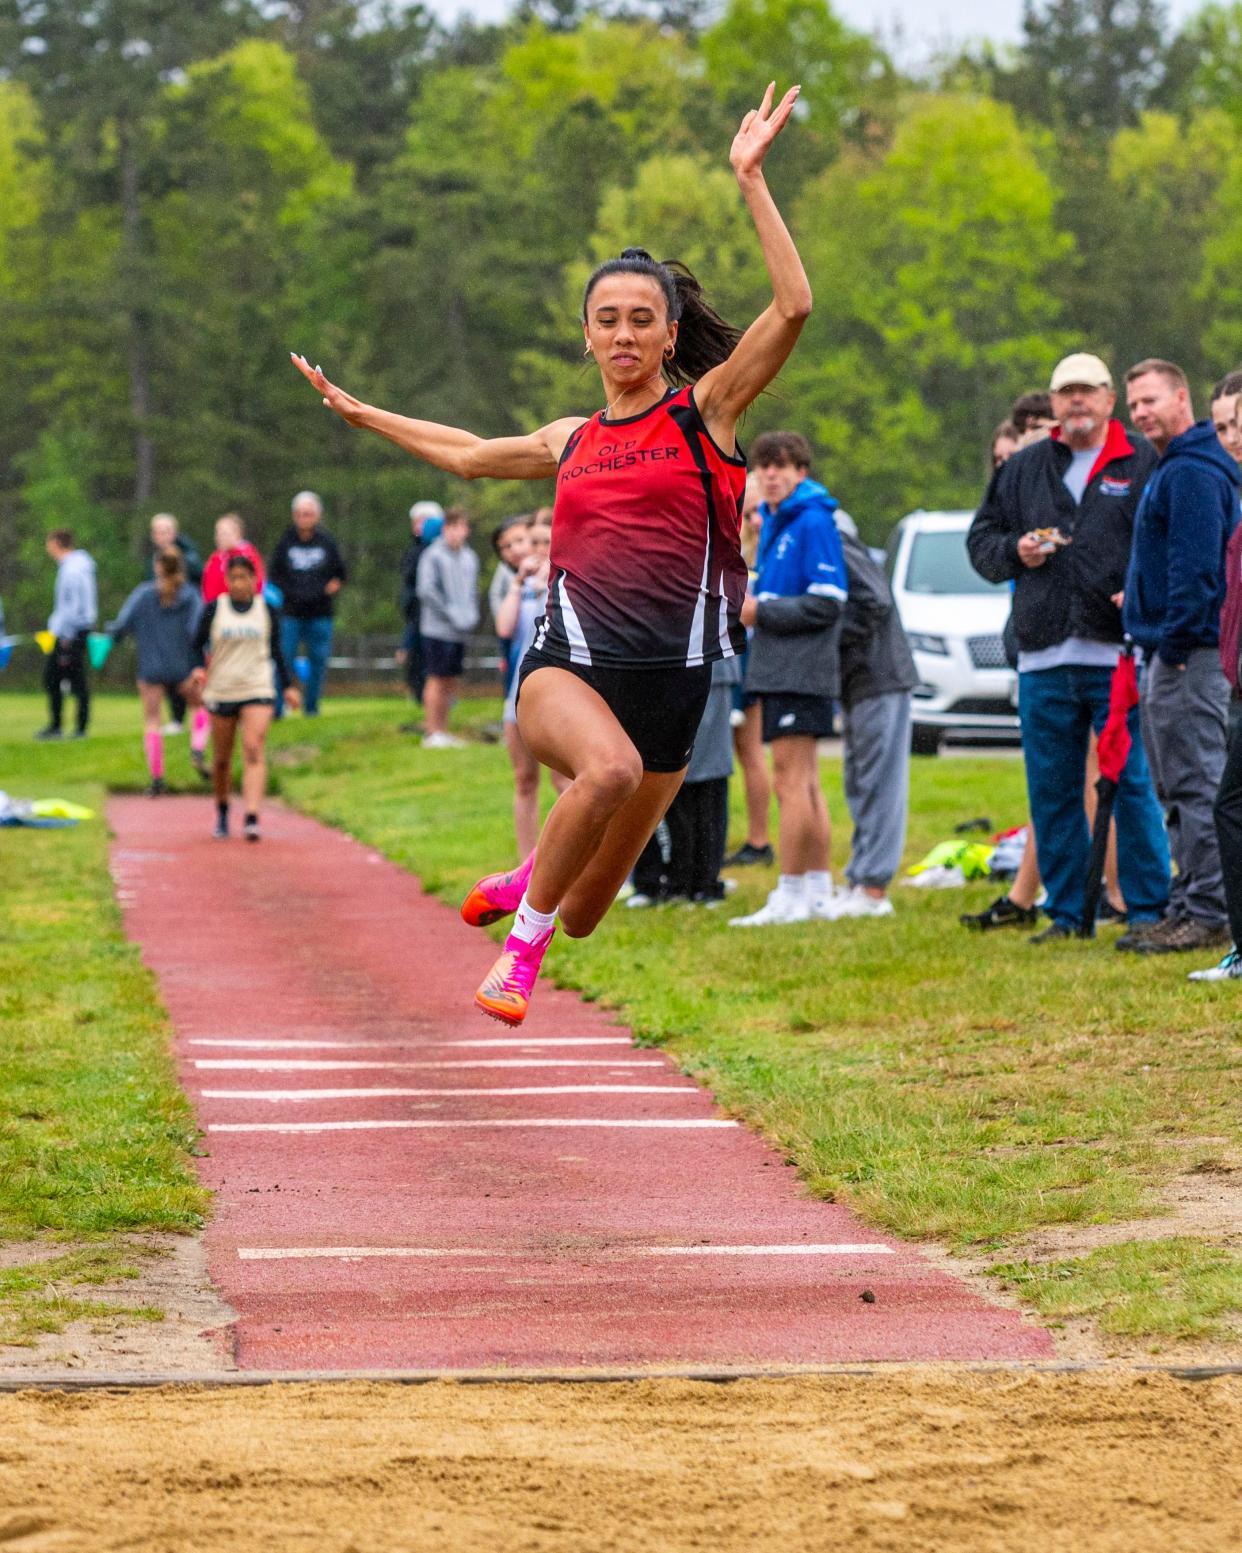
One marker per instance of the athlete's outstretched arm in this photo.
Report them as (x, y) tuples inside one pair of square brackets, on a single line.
[(461, 453), (724, 392)]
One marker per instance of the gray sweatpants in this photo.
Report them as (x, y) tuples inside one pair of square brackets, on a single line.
[(877, 782), (1184, 718)]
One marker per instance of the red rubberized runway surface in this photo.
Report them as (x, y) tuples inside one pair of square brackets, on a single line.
[(403, 1184)]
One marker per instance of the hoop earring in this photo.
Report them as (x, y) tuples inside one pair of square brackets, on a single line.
[(670, 352), (588, 351)]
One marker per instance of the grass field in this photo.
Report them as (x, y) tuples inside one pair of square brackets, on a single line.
[(966, 1089)]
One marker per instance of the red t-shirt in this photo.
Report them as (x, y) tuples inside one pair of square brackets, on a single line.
[(646, 565), (215, 573)]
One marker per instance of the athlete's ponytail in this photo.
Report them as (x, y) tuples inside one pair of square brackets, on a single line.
[(704, 339)]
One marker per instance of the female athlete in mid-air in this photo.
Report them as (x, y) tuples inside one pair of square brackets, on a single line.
[(647, 580)]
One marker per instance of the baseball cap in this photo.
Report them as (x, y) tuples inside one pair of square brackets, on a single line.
[(1081, 367), (425, 510)]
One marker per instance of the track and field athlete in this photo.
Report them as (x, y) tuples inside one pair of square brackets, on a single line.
[(647, 578), (162, 617), (239, 634)]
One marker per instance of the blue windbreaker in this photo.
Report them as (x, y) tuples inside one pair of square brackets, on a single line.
[(801, 587)]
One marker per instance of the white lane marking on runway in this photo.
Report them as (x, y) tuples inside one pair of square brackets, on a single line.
[(293, 1065), (249, 1045), (500, 1121), (538, 1254), (278, 1095)]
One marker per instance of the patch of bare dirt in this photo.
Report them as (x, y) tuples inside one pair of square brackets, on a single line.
[(923, 1461), (1203, 1204), (193, 1338)]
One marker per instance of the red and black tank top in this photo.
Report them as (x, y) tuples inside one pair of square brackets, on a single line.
[(646, 568)]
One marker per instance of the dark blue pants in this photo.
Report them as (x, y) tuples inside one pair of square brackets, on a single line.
[(317, 634), (1059, 708)]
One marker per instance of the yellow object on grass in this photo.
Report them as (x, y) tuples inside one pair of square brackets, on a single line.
[(46, 640), (972, 857), (60, 809)]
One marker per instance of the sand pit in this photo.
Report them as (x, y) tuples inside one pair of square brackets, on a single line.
[(918, 1460)]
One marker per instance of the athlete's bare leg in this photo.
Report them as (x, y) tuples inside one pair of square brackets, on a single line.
[(525, 791), (255, 721), (602, 822), (223, 733), (805, 833), (748, 743)]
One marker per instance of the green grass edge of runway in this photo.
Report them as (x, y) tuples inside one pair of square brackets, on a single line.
[(945, 1086), (95, 1132)]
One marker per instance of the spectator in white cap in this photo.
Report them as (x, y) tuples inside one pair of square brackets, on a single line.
[(424, 515), (1057, 522)]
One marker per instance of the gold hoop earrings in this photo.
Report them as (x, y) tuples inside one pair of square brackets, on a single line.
[(587, 352), (669, 352)]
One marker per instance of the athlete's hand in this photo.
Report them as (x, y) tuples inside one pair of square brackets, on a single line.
[(346, 406), (293, 698), (759, 129)]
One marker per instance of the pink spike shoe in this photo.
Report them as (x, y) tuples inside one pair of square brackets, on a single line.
[(507, 988), (496, 896)]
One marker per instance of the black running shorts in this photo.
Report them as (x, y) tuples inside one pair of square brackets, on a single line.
[(786, 714), (660, 709), (233, 708)]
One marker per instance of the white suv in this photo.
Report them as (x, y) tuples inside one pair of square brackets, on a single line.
[(954, 620)]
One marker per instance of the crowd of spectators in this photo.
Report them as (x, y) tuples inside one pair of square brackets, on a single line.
[(1111, 537)]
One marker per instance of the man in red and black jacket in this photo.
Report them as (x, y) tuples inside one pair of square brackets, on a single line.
[(1057, 522)]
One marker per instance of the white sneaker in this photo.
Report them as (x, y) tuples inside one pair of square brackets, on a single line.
[(637, 901), (1229, 969), (172, 728), (857, 903), (776, 911), (442, 741)]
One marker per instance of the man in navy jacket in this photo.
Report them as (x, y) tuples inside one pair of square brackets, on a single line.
[(1174, 591)]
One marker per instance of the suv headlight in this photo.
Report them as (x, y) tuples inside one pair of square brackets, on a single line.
[(921, 642)]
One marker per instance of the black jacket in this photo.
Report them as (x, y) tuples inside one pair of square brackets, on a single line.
[(410, 608), (1071, 593), (302, 569), (875, 655)]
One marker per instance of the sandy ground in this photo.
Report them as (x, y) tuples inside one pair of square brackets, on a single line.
[(919, 1460), (194, 1337)]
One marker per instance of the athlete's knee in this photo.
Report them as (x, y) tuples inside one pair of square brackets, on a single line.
[(612, 778), (252, 754), (526, 783)]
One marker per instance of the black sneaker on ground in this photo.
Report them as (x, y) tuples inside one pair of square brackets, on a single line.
[(251, 828), (1053, 933), (1187, 934), (158, 786), (78, 733), (221, 830), (747, 854), (199, 762), (1138, 933), (49, 733), (1003, 912), (1109, 913)]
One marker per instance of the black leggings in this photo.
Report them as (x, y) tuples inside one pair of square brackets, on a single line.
[(684, 856), (1227, 813), (67, 662)]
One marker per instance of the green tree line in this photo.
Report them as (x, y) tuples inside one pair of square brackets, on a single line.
[(189, 192)]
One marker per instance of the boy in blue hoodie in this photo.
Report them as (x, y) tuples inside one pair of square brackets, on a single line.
[(793, 667), (1175, 587)]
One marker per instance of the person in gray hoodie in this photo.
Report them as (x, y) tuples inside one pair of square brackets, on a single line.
[(75, 608), (448, 595), (162, 616)]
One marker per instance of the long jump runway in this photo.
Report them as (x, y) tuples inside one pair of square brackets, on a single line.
[(402, 1184)]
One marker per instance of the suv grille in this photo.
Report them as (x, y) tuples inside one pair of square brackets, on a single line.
[(987, 652)]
